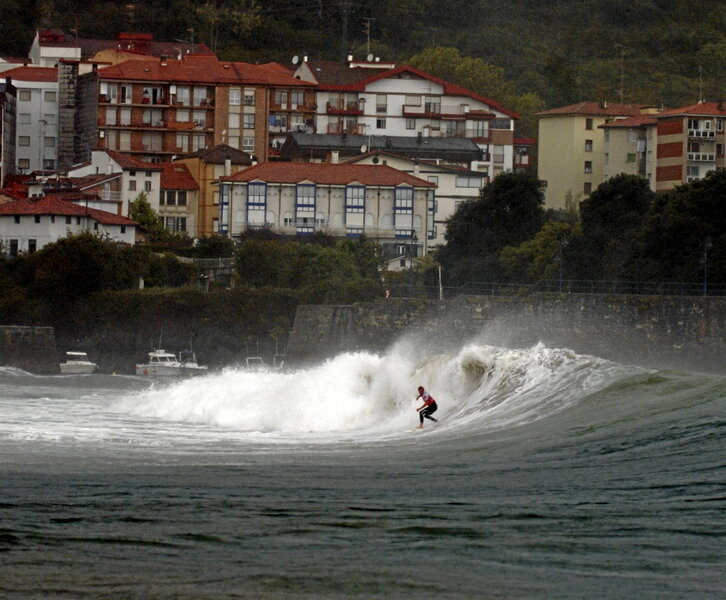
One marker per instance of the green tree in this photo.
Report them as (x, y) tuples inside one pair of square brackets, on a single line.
[(140, 211), (612, 218), (508, 212)]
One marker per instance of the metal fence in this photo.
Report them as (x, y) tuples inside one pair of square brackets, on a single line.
[(555, 286)]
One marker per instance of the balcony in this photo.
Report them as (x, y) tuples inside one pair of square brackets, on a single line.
[(338, 107), (701, 134), (339, 129), (701, 157)]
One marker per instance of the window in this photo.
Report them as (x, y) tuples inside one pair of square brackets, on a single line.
[(17, 219), (632, 135), (183, 95), (234, 120), (23, 163), (183, 115), (68, 220), (125, 116), (37, 218), (587, 188), (48, 164), (249, 121), (588, 123), (468, 182), (24, 95), (235, 96), (123, 228), (24, 119), (24, 140), (182, 142), (249, 97), (32, 245), (413, 101), (14, 247), (355, 199), (403, 200), (305, 197), (248, 144), (256, 193), (181, 197), (381, 103), (433, 179), (49, 96), (132, 185), (588, 145), (719, 125), (432, 105), (49, 142), (147, 186), (175, 223), (588, 166), (297, 99), (630, 158), (380, 123), (410, 123), (281, 98)]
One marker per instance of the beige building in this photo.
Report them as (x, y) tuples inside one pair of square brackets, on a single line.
[(571, 148), (630, 147)]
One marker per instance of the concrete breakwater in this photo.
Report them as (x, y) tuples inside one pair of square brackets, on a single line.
[(32, 349), (651, 331)]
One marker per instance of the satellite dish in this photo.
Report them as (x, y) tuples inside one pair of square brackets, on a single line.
[(369, 58), (295, 59), (375, 160), (363, 149)]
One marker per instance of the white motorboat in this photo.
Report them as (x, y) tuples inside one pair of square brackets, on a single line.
[(165, 364), (77, 363)]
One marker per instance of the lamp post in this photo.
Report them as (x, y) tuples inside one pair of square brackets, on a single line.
[(411, 254), (563, 245), (707, 245)]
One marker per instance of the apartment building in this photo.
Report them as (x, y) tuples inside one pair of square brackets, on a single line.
[(36, 142), (206, 167), (51, 46), (629, 147), (8, 119), (571, 148), (158, 109), (383, 99), (387, 205), (454, 185), (690, 143)]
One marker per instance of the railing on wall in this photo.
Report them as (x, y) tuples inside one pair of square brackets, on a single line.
[(411, 288)]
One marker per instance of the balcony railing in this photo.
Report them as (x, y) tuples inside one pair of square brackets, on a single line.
[(701, 157), (339, 107)]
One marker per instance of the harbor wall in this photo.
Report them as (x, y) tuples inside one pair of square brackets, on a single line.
[(651, 331), (32, 349)]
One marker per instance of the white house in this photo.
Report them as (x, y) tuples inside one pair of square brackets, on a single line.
[(28, 224), (453, 184), (372, 98), (136, 176), (36, 145), (389, 206)]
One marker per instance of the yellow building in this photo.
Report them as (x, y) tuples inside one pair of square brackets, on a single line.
[(571, 148)]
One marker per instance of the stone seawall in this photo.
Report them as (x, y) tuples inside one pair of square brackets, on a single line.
[(652, 331), (32, 349)]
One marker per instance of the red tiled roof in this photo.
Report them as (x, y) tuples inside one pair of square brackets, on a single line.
[(327, 174), (594, 109), (127, 161), (366, 77), (176, 176), (199, 69), (28, 73), (702, 109), (53, 205)]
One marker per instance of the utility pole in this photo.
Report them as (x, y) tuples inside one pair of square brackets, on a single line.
[(344, 9), (366, 22)]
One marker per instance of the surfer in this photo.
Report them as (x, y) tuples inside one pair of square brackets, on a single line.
[(427, 408)]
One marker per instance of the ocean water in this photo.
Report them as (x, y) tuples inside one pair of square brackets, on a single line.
[(549, 475)]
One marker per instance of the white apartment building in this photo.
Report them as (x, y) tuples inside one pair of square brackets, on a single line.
[(36, 132), (374, 99)]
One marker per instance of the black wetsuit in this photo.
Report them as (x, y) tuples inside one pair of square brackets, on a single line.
[(428, 410)]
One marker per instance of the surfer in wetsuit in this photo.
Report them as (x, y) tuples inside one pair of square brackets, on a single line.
[(427, 408)]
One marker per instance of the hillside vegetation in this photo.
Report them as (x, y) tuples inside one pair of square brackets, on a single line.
[(527, 54)]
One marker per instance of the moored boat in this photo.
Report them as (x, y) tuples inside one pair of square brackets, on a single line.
[(77, 363), (165, 364)]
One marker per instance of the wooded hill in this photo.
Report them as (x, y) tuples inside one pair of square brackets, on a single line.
[(527, 54)]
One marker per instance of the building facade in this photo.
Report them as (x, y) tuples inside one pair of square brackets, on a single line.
[(389, 206), (8, 120), (690, 143), (571, 148), (376, 99), (629, 147)]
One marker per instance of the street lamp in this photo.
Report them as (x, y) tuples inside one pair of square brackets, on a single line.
[(563, 244), (707, 245), (411, 254)]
